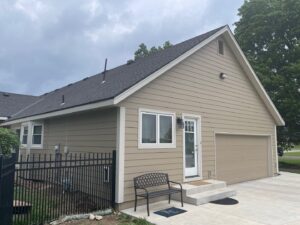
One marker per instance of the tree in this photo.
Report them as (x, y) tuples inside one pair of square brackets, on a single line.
[(269, 34), (143, 51), (8, 141)]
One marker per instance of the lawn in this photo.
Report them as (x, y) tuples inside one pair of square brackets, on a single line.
[(289, 164), (121, 219), (291, 153)]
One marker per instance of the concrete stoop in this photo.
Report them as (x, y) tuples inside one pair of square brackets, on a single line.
[(198, 195)]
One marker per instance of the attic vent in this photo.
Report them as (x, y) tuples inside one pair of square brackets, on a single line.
[(85, 78), (221, 47), (130, 61), (70, 84), (5, 94), (104, 72)]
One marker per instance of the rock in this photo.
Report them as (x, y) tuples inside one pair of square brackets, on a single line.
[(98, 217), (91, 217)]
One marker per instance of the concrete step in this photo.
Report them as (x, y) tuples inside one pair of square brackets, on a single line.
[(208, 196), (213, 185)]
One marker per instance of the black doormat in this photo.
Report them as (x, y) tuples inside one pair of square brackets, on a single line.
[(226, 201), (170, 212)]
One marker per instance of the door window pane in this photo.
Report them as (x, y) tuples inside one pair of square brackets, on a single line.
[(165, 129), (189, 150), (148, 128)]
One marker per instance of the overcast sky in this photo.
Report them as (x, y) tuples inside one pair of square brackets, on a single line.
[(47, 44)]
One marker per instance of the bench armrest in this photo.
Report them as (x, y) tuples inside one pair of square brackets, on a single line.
[(173, 182)]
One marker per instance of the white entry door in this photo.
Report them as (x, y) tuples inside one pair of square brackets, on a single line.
[(191, 147)]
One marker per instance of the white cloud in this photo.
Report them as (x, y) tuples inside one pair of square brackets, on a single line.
[(31, 8)]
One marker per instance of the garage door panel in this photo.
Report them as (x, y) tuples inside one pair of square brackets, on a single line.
[(241, 158)]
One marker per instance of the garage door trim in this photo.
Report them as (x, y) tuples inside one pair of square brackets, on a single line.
[(270, 152)]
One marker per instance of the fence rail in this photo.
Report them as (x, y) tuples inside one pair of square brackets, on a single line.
[(49, 186)]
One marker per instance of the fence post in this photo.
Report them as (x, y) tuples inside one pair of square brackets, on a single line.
[(113, 188)]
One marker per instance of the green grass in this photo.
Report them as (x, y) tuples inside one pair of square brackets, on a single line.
[(128, 220), (289, 165), (291, 153), (297, 147)]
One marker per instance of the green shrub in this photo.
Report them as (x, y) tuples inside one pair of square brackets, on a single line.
[(8, 141)]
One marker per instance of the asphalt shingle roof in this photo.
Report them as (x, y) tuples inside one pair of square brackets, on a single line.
[(118, 80), (11, 103)]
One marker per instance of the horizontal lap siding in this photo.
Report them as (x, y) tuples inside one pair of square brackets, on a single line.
[(93, 131), (194, 86)]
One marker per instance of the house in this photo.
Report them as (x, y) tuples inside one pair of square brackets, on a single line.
[(11, 103), (195, 110)]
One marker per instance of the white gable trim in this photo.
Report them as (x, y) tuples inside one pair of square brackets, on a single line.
[(241, 58)]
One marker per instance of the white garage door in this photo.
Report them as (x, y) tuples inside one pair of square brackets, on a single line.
[(241, 157)]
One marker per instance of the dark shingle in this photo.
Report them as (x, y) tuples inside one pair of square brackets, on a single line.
[(11, 103), (118, 80)]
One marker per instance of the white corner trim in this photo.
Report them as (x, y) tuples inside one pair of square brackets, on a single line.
[(254, 79), (62, 112), (276, 150), (165, 68), (120, 154)]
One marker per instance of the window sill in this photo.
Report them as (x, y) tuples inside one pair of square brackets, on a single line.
[(156, 146)]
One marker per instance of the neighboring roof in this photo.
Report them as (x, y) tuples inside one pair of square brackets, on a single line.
[(11, 103), (124, 80)]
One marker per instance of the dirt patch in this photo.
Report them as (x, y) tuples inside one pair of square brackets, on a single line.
[(107, 220)]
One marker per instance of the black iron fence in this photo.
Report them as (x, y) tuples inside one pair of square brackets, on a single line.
[(7, 172), (49, 186)]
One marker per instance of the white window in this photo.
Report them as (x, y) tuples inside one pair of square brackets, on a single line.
[(32, 135), (24, 139), (156, 129), (37, 134)]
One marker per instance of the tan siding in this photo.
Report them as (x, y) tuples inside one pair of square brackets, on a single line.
[(193, 86), (93, 131)]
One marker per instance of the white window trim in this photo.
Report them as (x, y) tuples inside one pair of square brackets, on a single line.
[(30, 144), (37, 146), (156, 145), (22, 133)]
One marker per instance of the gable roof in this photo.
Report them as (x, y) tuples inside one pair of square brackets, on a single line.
[(126, 79), (11, 103)]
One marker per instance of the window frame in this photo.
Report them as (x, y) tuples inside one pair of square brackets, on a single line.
[(22, 133), (30, 125), (42, 135), (157, 113)]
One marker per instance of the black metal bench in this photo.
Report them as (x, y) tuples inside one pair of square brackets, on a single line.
[(152, 180)]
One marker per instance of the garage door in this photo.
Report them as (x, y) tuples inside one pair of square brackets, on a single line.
[(241, 158)]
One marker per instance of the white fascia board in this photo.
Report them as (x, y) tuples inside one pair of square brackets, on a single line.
[(167, 67), (253, 78), (62, 112)]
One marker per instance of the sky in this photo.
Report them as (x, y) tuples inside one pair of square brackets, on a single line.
[(47, 44)]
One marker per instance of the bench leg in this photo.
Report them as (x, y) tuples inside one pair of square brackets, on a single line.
[(148, 205), (169, 198), (135, 203), (181, 199)]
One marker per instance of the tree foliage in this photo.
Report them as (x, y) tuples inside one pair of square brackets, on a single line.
[(269, 34), (8, 141), (143, 51)]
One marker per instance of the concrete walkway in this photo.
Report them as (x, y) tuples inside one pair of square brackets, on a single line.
[(270, 201)]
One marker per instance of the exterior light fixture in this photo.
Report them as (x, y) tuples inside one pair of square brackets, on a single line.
[(180, 123), (223, 76)]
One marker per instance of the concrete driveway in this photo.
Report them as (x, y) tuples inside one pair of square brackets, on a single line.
[(267, 201)]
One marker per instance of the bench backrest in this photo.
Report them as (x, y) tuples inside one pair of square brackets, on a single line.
[(151, 180)]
